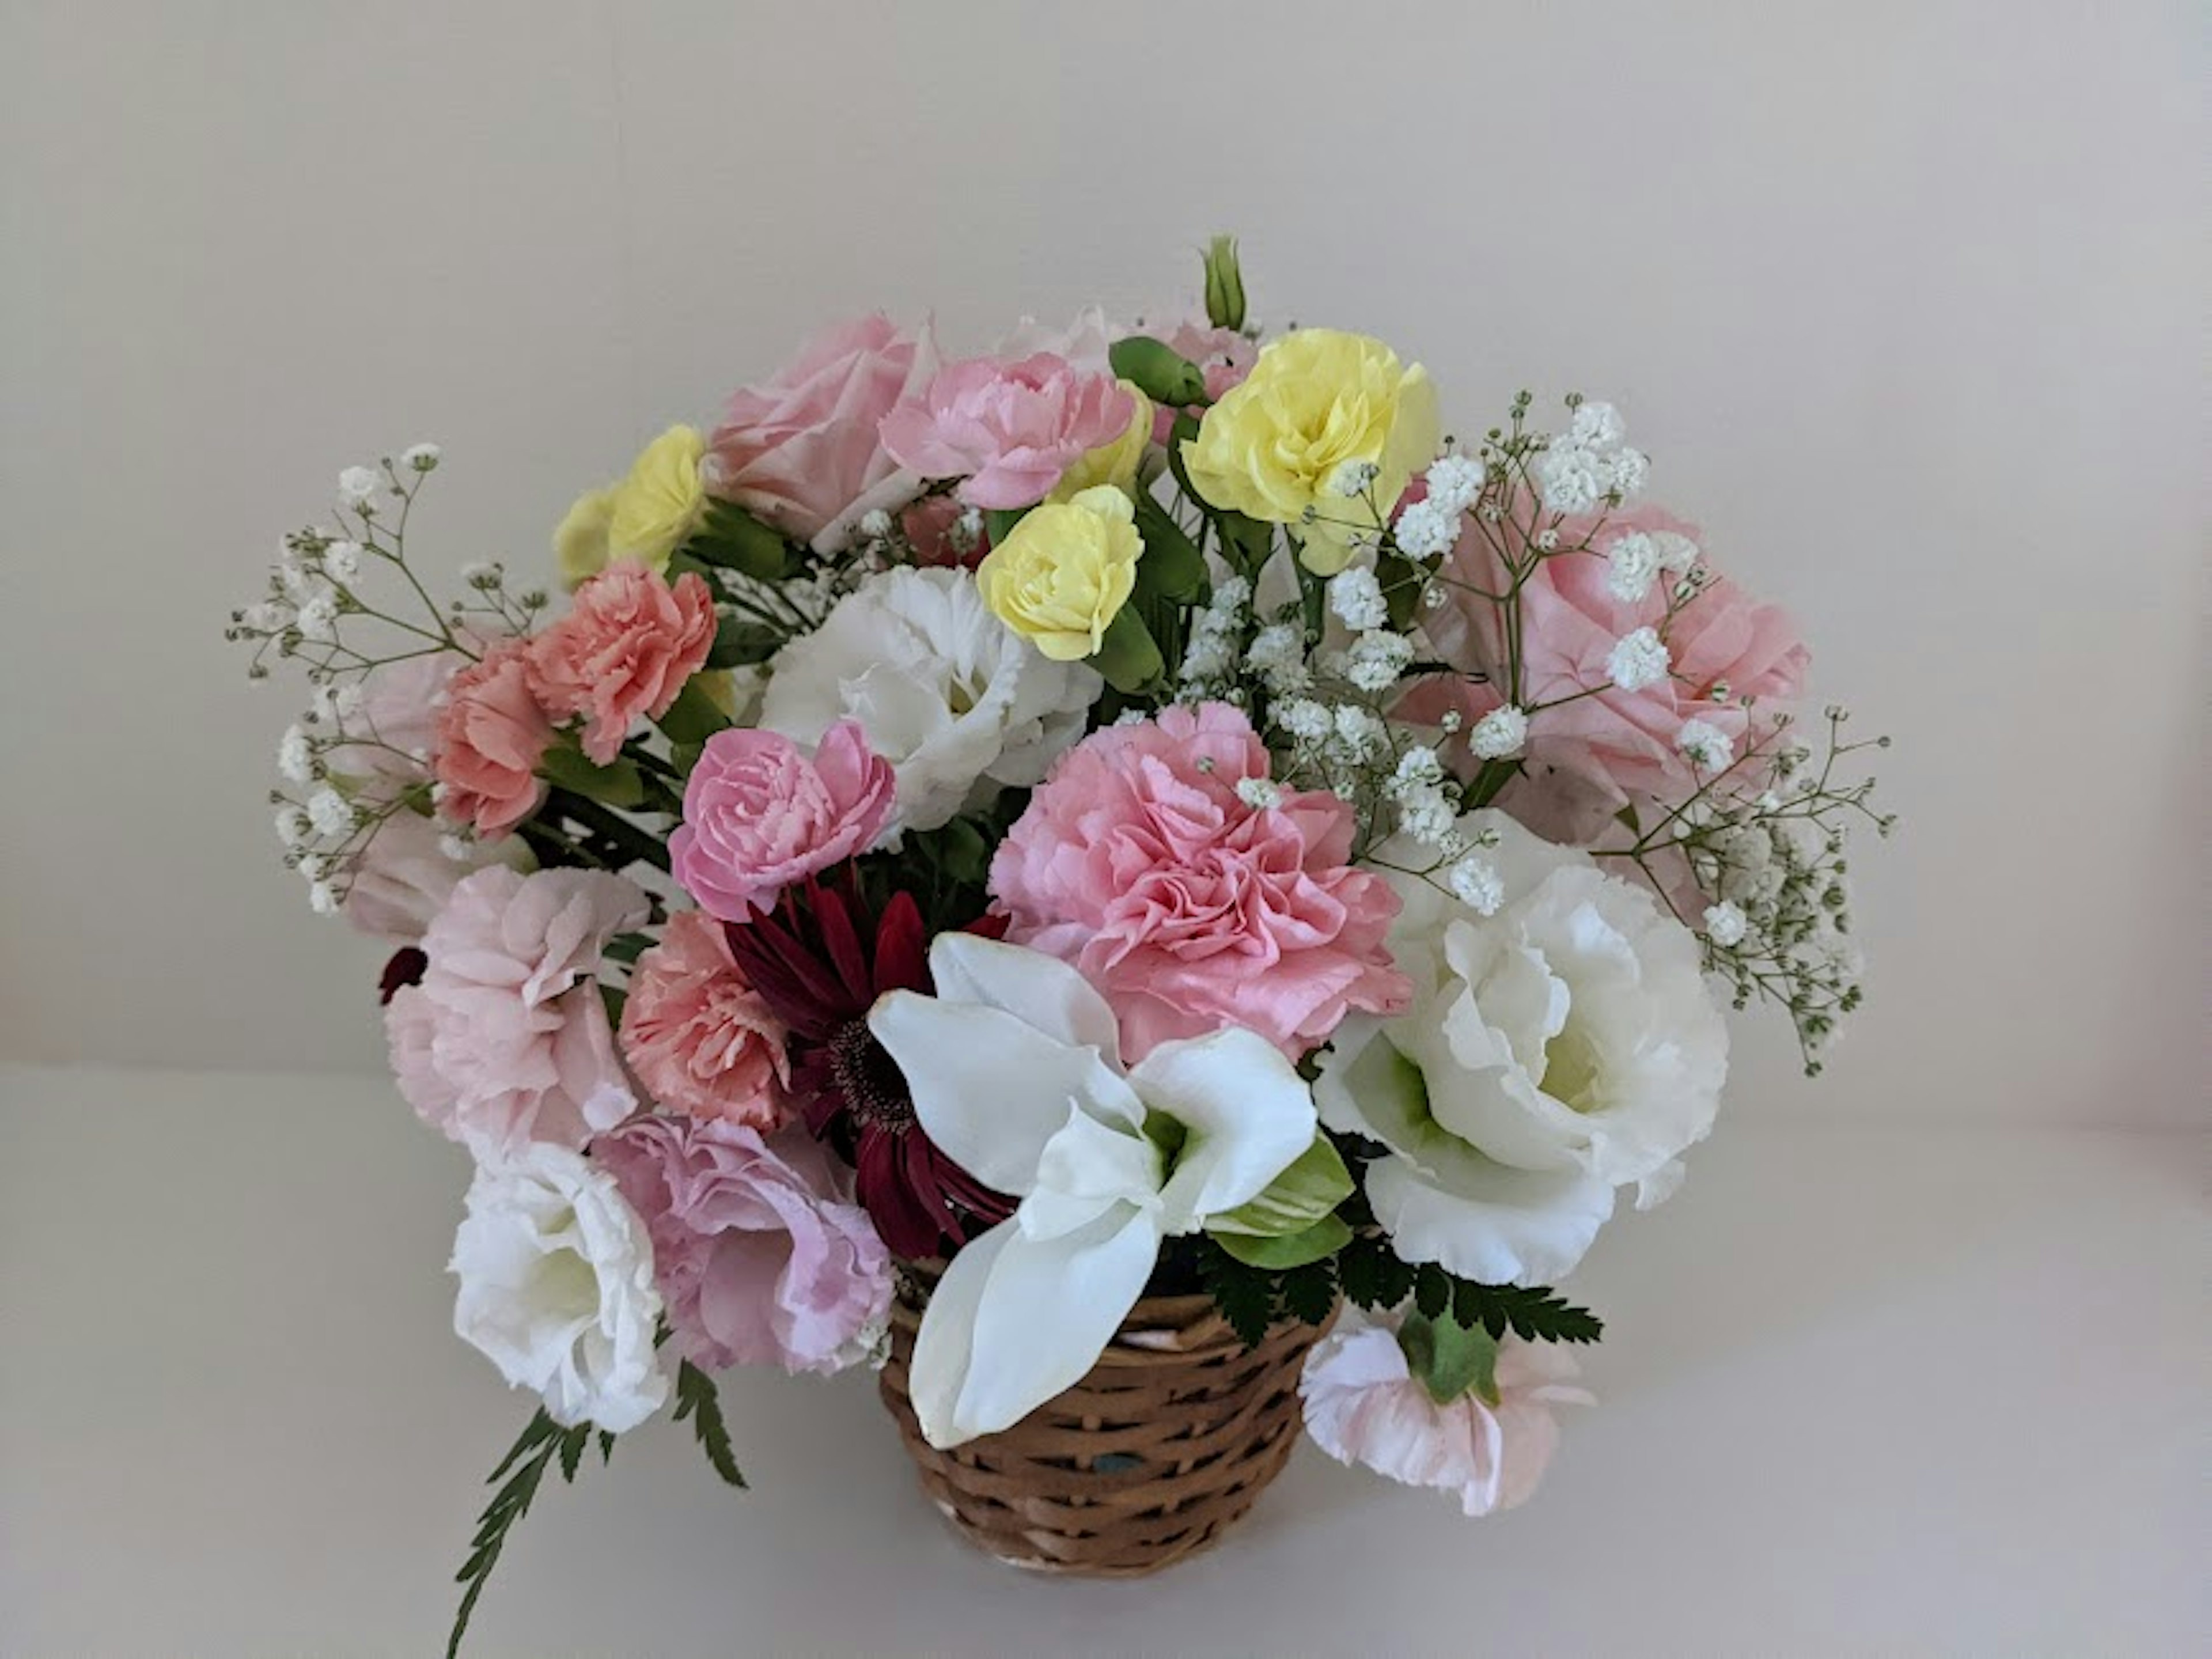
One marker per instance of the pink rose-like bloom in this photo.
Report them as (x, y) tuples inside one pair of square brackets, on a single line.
[(506, 1038), (1362, 1405), (1139, 864), (802, 450), (697, 1036), (1007, 430), (623, 652), (759, 1263), (489, 739), (1223, 355), (758, 815), (1608, 748)]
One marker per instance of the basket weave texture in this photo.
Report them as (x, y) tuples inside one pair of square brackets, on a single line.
[(1148, 1460)]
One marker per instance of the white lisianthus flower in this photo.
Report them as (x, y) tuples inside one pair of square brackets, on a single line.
[(1016, 1072), (952, 697), (1561, 1048), (556, 1286)]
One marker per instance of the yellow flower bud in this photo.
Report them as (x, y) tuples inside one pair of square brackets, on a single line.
[(659, 505), (579, 545), (1065, 571), (1113, 464), (1274, 446)]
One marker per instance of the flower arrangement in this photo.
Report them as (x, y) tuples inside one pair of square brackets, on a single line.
[(1132, 811)]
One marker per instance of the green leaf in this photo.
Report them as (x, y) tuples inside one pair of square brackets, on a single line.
[(1128, 657), (1308, 1294), (694, 717), (617, 785), (732, 539), (1492, 776), (962, 852), (998, 522), (572, 1450), (1534, 1313), (1303, 1194), (1448, 1358), (1402, 582), (528, 1459), (1247, 544), (1245, 1296), (1324, 1238), (1224, 284), (696, 1399), (740, 643), (1432, 1290), (1158, 370), (1184, 430), (1371, 1273), (1172, 565)]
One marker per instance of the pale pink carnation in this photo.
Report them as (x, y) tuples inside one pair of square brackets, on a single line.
[(697, 1036), (506, 1038), (396, 724), (401, 880), (1137, 862), (1007, 430), (1223, 355), (1590, 757), (758, 1259), (490, 737), (802, 450), (623, 652), (758, 815), (1362, 1405)]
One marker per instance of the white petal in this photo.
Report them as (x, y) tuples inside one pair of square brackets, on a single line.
[(1487, 1221), (990, 1090), (1087, 1168), (1248, 1112), (1039, 990), (1025, 1321)]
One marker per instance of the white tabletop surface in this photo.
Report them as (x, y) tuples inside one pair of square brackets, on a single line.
[(1866, 1389)]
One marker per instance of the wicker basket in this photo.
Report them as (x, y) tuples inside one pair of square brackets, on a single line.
[(1149, 1459)]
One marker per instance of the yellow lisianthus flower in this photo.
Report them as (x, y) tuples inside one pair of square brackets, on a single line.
[(1065, 571), (1115, 464), (646, 517), (1316, 399)]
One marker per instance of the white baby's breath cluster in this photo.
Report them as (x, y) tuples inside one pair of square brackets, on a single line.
[(342, 781), (1590, 463), (1765, 841)]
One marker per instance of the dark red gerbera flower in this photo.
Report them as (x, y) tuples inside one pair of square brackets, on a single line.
[(819, 961)]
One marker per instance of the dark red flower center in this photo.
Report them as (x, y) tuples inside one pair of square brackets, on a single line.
[(874, 1088)]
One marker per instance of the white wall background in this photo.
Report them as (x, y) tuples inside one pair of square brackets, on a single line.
[(1904, 297)]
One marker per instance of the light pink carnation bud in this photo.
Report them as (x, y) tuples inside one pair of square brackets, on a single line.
[(697, 1036), (490, 736), (1007, 431), (1363, 1406), (759, 1260), (623, 652), (758, 815), (802, 450)]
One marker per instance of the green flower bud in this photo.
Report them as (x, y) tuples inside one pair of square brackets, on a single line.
[(1224, 284)]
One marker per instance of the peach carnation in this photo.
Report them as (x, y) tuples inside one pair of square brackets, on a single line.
[(623, 652), (489, 737), (697, 1034)]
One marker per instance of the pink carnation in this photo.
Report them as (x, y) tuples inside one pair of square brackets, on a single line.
[(399, 882), (1362, 1405), (802, 450), (1137, 862), (623, 652), (400, 704), (1223, 355), (489, 737), (759, 1263), (758, 815), (697, 1034), (1591, 756), (1007, 430), (506, 1037)]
